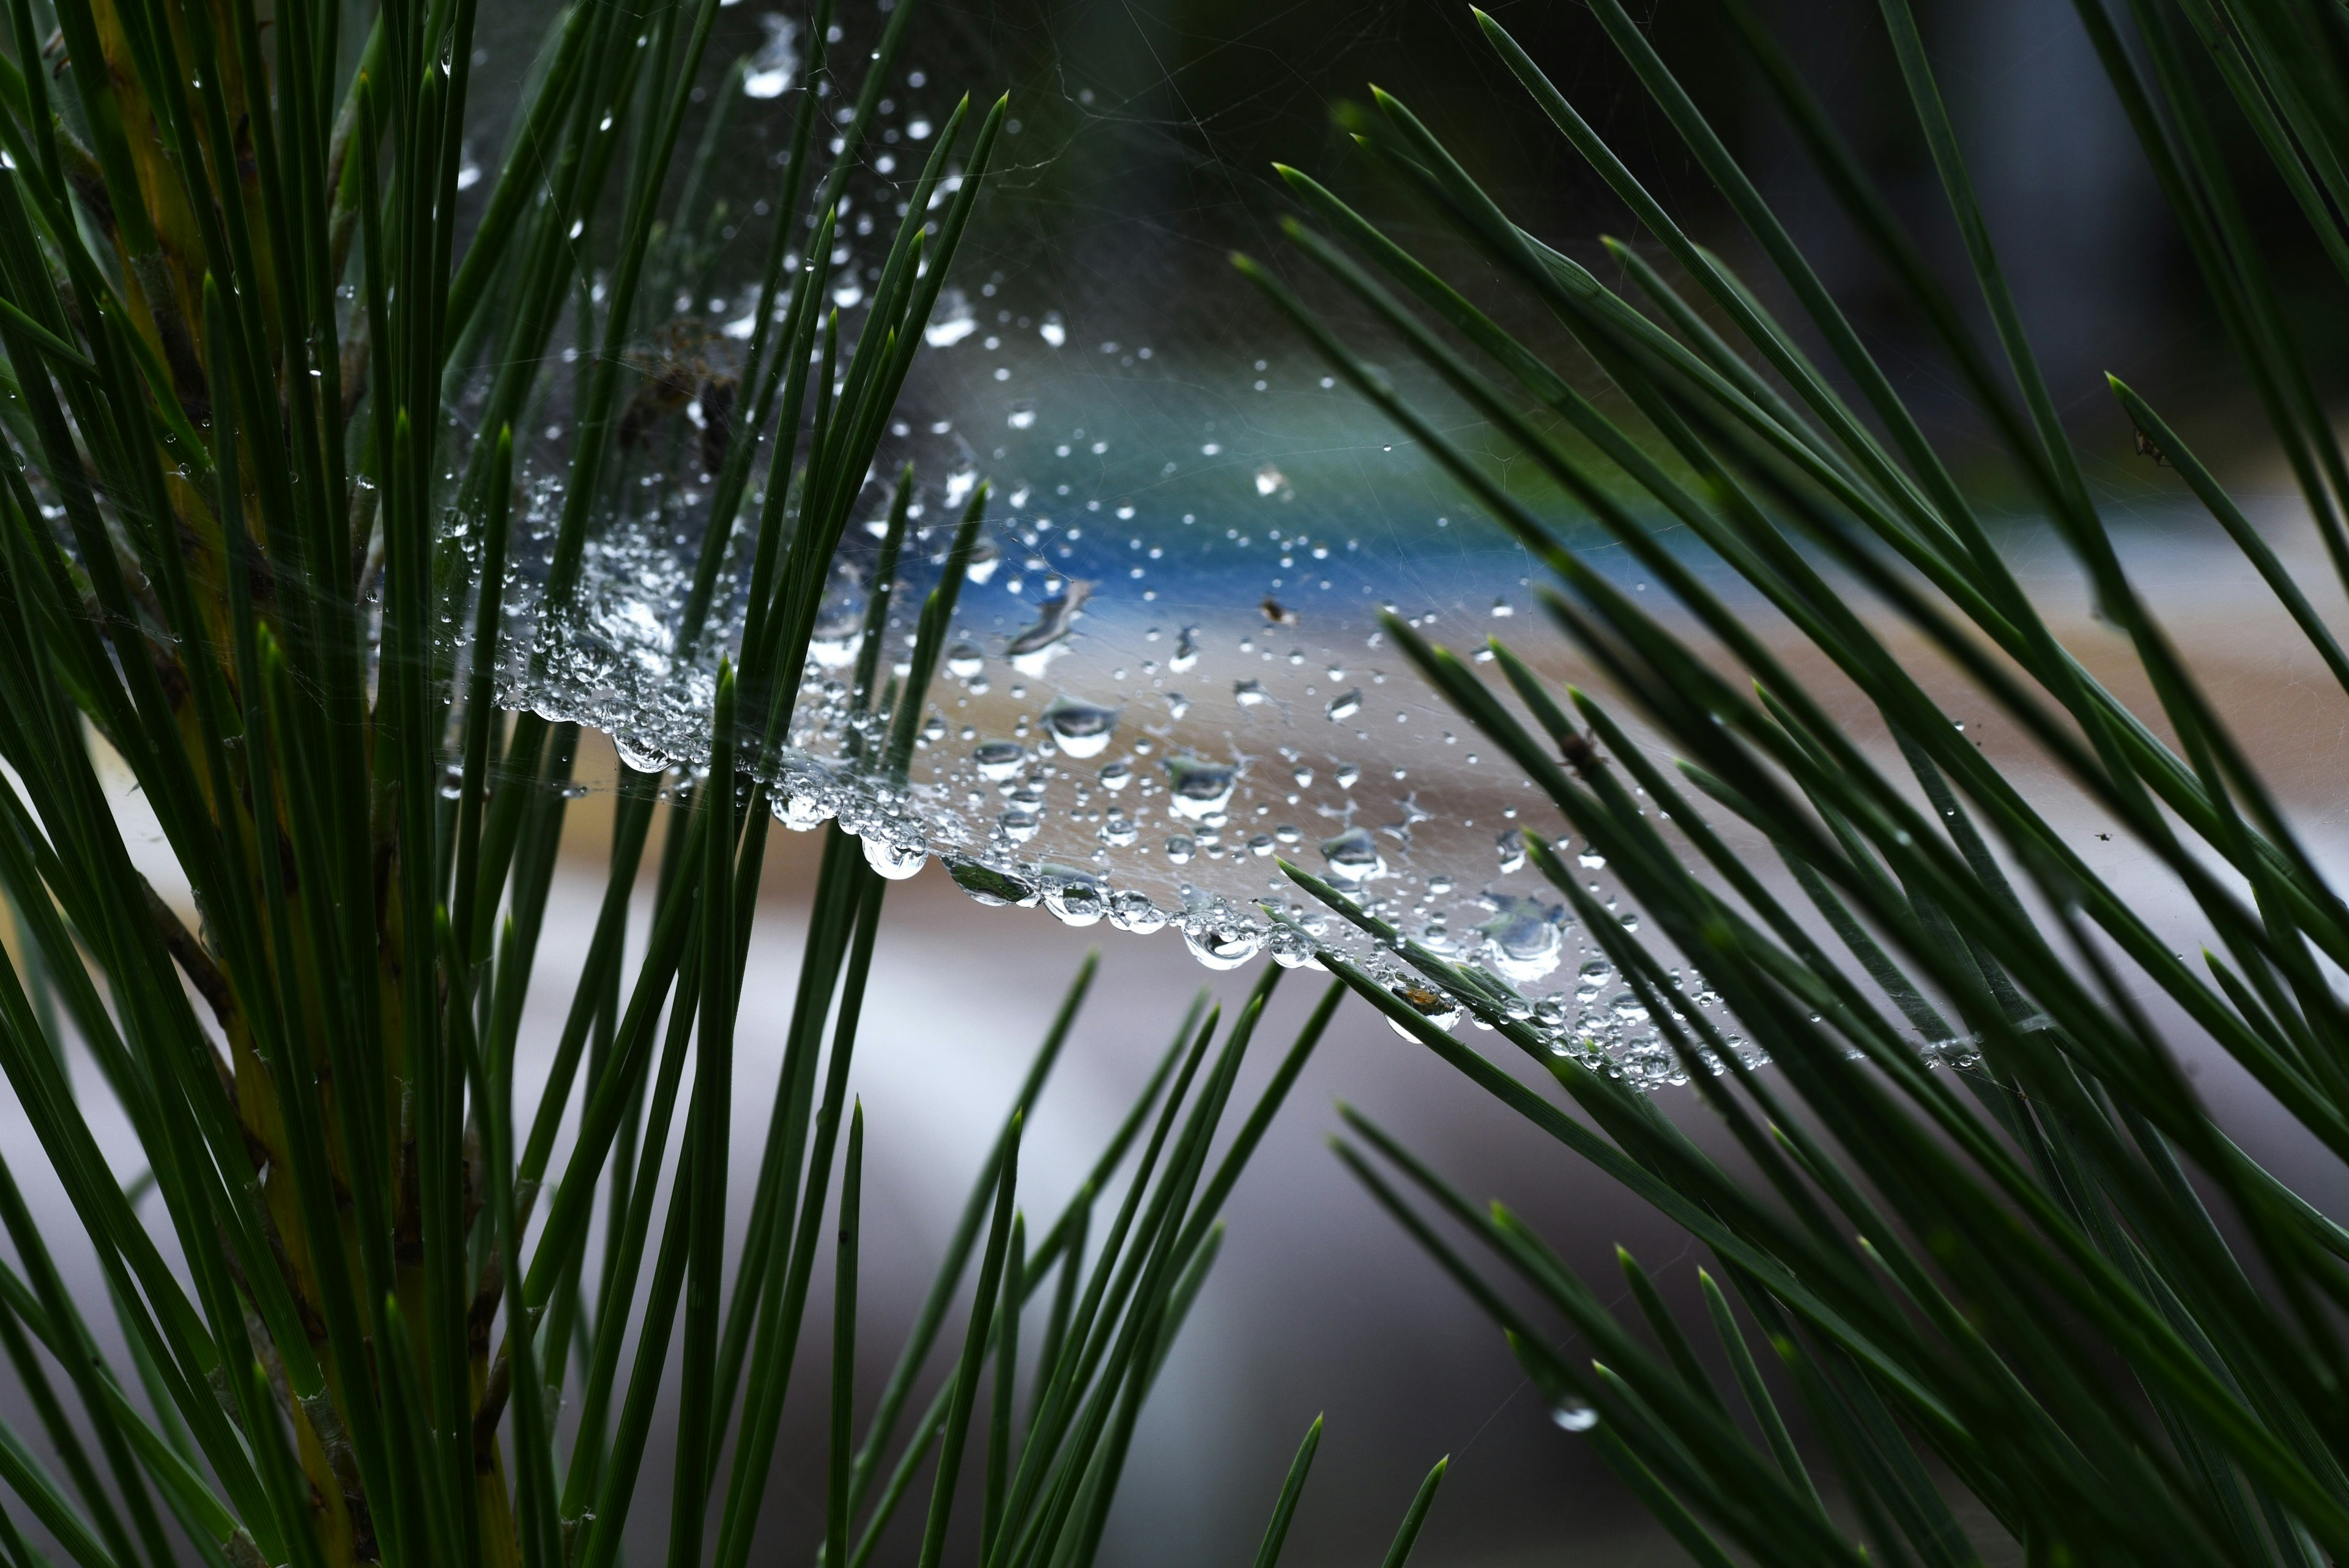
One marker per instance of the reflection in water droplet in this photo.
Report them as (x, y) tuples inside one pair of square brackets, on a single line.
[(1346, 704), (1116, 775), (1018, 823), (964, 660), (991, 884), (1180, 848), (1200, 789), (1082, 729), (1353, 856), (1594, 976), (1117, 830)]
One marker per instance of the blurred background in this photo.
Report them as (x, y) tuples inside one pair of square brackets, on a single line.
[(1137, 157)]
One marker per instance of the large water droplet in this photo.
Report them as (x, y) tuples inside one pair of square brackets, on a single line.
[(1082, 729), (991, 884)]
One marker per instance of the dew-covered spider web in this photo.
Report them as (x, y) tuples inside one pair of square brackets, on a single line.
[(1166, 671)]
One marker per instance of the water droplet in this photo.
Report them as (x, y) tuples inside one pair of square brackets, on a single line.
[(997, 760), (1345, 705), (1346, 775), (892, 859), (1117, 775), (1180, 848), (951, 323), (1036, 647), (1353, 856), (1186, 650), (984, 558), (1248, 694), (1594, 975), (1082, 729), (1590, 858), (964, 660), (1219, 941), (1260, 846), (1052, 329), (640, 760), (777, 60), (1511, 848), (1117, 830), (1426, 1001), (1524, 937), (1018, 823), (1303, 775), (1270, 481), (1291, 948), (1131, 910), (1573, 1416), (1075, 898), (1200, 789)]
